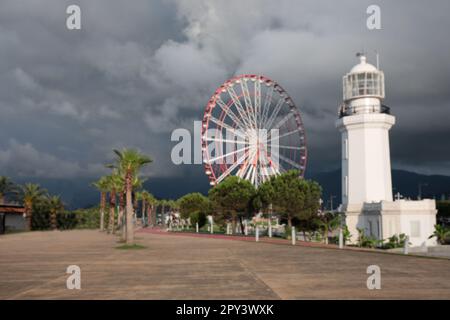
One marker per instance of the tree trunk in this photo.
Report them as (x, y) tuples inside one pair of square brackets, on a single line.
[(112, 209), (149, 215), (121, 218), (242, 225), (233, 223), (143, 213), (102, 210), (289, 219), (53, 220), (29, 215), (129, 207)]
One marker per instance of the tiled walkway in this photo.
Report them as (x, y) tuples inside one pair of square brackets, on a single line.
[(180, 266)]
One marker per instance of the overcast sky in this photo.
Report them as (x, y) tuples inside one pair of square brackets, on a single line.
[(139, 69)]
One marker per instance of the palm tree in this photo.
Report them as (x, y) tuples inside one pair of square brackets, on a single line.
[(145, 198), (130, 161), (162, 203), (151, 203), (30, 194), (139, 196), (56, 206), (102, 186), (136, 185), (328, 222), (441, 234), (114, 184), (6, 187)]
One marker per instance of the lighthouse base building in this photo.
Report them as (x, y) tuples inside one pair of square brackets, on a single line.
[(387, 218), (367, 200)]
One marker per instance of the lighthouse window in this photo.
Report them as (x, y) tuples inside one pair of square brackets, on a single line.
[(361, 83), (370, 84), (354, 82), (376, 87)]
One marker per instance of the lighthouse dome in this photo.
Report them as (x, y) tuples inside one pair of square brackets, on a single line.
[(363, 66), (363, 81)]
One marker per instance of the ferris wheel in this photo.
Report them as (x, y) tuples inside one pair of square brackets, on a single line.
[(252, 129)]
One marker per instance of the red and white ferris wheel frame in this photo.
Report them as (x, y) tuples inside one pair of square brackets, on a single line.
[(216, 102)]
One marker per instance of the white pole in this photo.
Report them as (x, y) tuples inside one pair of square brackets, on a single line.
[(257, 233), (196, 227), (341, 238), (228, 228), (212, 225), (246, 228), (406, 246), (270, 228), (270, 220), (293, 236)]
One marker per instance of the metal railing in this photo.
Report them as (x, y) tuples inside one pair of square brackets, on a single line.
[(346, 110)]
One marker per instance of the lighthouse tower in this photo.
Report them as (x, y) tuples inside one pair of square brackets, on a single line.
[(364, 122)]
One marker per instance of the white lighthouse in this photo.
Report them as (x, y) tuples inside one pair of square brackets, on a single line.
[(364, 122)]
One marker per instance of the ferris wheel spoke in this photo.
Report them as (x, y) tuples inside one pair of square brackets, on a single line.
[(254, 176), (232, 167), (230, 113), (226, 126), (239, 107), (247, 165), (282, 121), (287, 160), (275, 112), (247, 176), (268, 161), (227, 154), (248, 102), (284, 134), (287, 147), (257, 101), (250, 167), (225, 140), (267, 102)]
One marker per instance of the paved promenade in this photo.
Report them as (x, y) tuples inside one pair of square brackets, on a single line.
[(184, 267)]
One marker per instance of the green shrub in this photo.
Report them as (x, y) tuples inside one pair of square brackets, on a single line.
[(368, 242), (395, 241), (66, 220), (89, 218), (198, 217), (287, 232)]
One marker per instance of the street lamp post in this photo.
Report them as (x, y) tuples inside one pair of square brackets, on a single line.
[(419, 196), (331, 201)]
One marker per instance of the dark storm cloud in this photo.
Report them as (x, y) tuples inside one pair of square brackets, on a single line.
[(139, 69)]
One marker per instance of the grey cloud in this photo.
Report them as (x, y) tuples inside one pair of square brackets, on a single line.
[(137, 70)]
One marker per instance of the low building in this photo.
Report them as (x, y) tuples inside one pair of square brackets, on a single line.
[(12, 218)]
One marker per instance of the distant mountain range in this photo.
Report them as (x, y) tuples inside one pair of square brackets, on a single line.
[(78, 192)]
